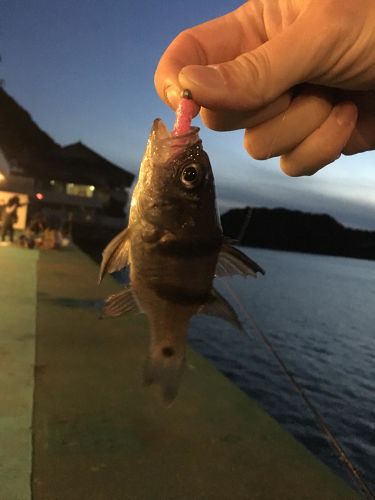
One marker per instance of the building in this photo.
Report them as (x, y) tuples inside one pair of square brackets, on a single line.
[(4, 166)]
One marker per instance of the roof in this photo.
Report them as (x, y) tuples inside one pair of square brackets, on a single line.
[(21, 140), (79, 153)]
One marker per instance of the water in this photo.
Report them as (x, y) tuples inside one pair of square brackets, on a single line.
[(319, 313)]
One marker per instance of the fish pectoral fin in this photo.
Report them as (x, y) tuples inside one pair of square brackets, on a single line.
[(115, 254), (218, 306), (232, 261), (120, 303)]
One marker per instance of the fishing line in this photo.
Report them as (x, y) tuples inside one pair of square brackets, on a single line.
[(183, 119), (319, 421)]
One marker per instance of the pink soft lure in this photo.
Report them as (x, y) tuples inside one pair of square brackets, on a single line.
[(184, 114)]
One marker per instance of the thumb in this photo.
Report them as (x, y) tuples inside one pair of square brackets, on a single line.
[(258, 77)]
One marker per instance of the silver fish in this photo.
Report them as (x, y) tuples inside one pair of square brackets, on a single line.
[(175, 247)]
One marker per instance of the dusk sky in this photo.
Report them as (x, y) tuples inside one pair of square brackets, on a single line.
[(84, 70)]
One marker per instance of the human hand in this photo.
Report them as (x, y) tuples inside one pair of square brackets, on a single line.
[(298, 75)]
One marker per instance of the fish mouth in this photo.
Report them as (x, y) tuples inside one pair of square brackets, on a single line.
[(165, 144)]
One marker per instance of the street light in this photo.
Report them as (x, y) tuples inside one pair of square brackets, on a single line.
[(2, 177)]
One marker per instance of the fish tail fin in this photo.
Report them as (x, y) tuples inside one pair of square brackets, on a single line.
[(164, 366)]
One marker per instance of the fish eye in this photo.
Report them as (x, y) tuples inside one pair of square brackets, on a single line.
[(191, 175)]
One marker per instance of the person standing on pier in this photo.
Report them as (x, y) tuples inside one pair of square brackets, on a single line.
[(10, 217)]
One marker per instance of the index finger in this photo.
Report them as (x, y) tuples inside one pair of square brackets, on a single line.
[(216, 41)]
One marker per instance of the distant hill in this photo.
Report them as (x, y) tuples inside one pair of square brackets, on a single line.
[(296, 231), (33, 153), (21, 140)]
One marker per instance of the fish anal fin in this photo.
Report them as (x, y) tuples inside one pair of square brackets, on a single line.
[(232, 261), (120, 303), (115, 254), (219, 307)]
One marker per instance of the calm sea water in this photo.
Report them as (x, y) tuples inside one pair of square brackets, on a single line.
[(319, 314)]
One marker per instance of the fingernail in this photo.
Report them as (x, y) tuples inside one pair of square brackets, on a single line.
[(172, 95), (204, 76), (345, 114)]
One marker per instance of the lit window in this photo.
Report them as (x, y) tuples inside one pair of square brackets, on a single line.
[(80, 190)]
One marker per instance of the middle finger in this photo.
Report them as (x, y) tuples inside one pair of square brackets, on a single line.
[(284, 132)]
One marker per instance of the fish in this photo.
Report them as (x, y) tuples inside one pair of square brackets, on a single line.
[(175, 247)]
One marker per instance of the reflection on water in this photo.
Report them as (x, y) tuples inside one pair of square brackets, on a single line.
[(319, 313)]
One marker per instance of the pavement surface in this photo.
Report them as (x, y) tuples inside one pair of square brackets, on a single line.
[(97, 434), (18, 301)]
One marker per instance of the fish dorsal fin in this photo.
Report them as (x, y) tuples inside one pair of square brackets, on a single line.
[(218, 306), (115, 254), (233, 261), (120, 303)]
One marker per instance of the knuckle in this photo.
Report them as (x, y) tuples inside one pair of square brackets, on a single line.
[(295, 164), (337, 10), (254, 147), (256, 68), (289, 168), (328, 153), (189, 37), (159, 84), (247, 75)]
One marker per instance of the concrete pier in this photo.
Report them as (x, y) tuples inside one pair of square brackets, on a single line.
[(18, 300), (96, 433)]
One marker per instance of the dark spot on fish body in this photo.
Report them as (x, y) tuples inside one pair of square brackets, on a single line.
[(179, 294), (168, 352), (189, 248)]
